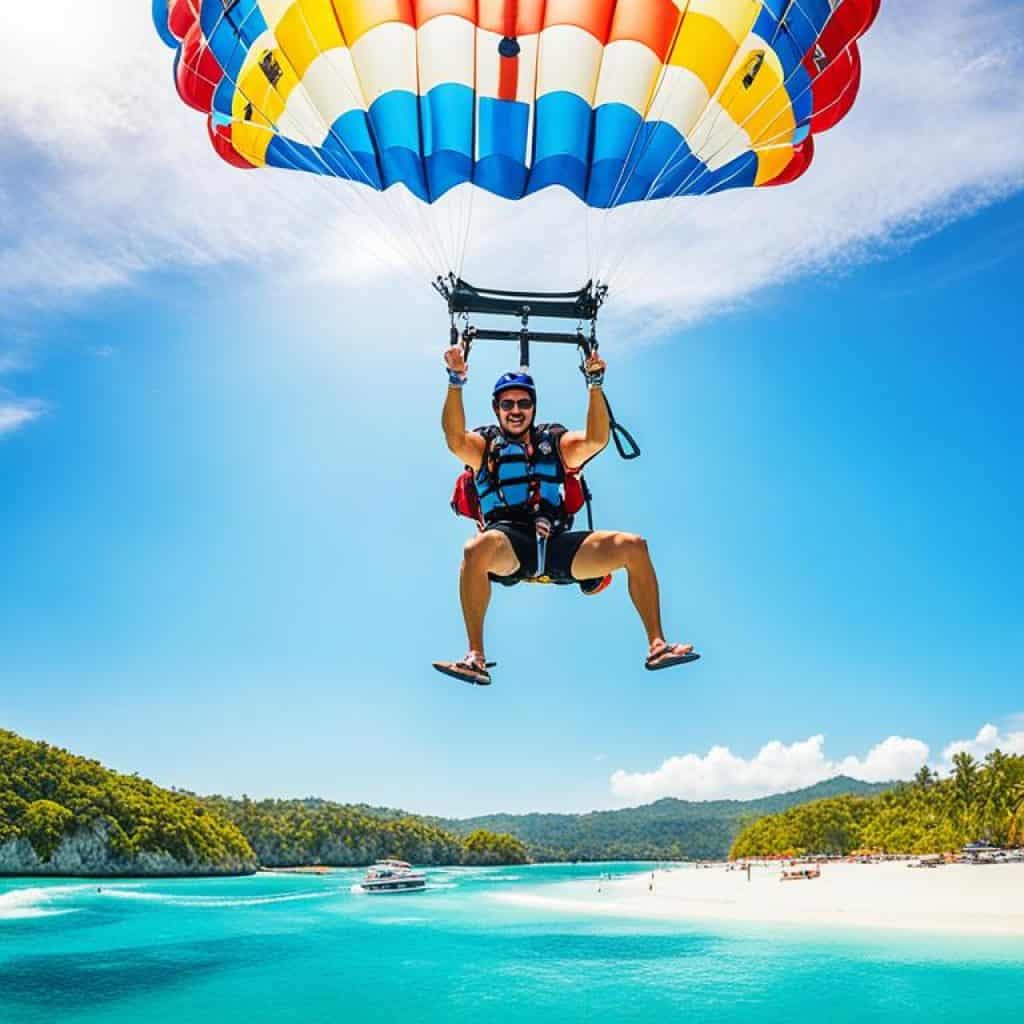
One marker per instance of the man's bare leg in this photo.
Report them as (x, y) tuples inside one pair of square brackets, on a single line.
[(489, 552), (605, 551)]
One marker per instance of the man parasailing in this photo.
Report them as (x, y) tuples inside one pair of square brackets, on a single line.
[(519, 474)]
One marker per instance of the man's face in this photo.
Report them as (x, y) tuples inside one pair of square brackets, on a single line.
[(515, 411)]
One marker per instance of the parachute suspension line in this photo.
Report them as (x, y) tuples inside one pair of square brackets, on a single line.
[(391, 251), (630, 165), (470, 190), (612, 264), (427, 216), (414, 255), (748, 198), (287, 199), (737, 128), (672, 164), (359, 103), (621, 184), (459, 222), (761, 140), (332, 193), (589, 243), (467, 189), (444, 214), (451, 210), (702, 169)]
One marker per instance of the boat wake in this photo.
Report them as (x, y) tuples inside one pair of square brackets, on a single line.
[(35, 902), (214, 902)]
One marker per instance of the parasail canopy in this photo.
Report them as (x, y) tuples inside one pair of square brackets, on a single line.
[(617, 101)]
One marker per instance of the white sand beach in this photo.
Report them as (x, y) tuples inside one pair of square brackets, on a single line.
[(955, 898)]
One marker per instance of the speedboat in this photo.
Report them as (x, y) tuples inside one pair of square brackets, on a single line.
[(392, 876)]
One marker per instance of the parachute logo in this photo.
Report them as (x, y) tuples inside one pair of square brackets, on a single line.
[(754, 65), (271, 68)]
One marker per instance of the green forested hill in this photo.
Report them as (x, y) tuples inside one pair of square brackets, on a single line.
[(64, 814), (665, 830), (68, 814), (979, 801), (312, 831)]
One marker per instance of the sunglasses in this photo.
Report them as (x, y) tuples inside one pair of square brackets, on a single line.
[(523, 404)]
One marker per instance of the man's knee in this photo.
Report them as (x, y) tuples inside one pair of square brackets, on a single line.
[(632, 548), (479, 551)]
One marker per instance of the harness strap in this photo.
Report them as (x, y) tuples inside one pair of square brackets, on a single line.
[(620, 435), (543, 478), (587, 497)]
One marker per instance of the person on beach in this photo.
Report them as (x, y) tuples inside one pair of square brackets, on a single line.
[(515, 484)]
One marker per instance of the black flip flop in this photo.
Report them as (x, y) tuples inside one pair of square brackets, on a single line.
[(466, 671), (657, 661)]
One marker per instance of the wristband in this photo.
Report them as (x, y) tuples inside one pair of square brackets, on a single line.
[(455, 380), (594, 380)]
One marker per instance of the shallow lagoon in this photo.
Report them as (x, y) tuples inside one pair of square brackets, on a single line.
[(290, 948)]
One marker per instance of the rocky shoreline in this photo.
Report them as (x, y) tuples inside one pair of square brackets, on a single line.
[(88, 853)]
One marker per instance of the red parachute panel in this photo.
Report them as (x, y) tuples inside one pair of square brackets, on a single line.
[(835, 89), (803, 154), (849, 21), (220, 136), (181, 16), (198, 73)]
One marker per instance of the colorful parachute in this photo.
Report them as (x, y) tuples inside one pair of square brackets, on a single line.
[(617, 101)]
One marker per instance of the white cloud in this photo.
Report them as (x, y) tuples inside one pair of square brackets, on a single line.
[(988, 738), (776, 768), (896, 757), (106, 175), (16, 413)]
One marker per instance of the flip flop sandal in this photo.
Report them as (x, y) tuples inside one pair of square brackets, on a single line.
[(659, 660), (468, 670)]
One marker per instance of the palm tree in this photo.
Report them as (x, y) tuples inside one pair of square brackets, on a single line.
[(995, 793), (1016, 831), (965, 788), (925, 777)]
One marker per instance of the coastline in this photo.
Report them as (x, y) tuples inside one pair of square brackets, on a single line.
[(954, 899)]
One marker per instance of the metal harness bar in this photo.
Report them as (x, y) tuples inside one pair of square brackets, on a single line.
[(582, 306)]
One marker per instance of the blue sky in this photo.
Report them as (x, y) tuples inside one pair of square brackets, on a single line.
[(228, 559)]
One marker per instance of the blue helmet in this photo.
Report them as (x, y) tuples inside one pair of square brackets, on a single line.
[(521, 381)]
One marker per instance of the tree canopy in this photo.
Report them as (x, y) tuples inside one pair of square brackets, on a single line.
[(308, 832), (48, 794), (979, 800), (668, 829)]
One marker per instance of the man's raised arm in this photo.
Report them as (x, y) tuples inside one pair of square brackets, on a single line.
[(465, 445), (580, 446)]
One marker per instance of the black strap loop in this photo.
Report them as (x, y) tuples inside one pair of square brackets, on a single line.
[(621, 436)]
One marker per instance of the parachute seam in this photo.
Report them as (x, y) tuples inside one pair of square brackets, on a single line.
[(291, 144), (704, 169)]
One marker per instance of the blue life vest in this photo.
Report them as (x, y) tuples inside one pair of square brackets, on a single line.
[(518, 481)]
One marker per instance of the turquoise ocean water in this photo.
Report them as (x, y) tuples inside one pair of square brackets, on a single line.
[(289, 948)]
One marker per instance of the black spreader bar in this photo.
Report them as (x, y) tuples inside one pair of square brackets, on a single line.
[(465, 298), (583, 305), (488, 334)]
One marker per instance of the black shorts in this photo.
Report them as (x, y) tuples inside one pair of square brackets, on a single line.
[(562, 548)]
